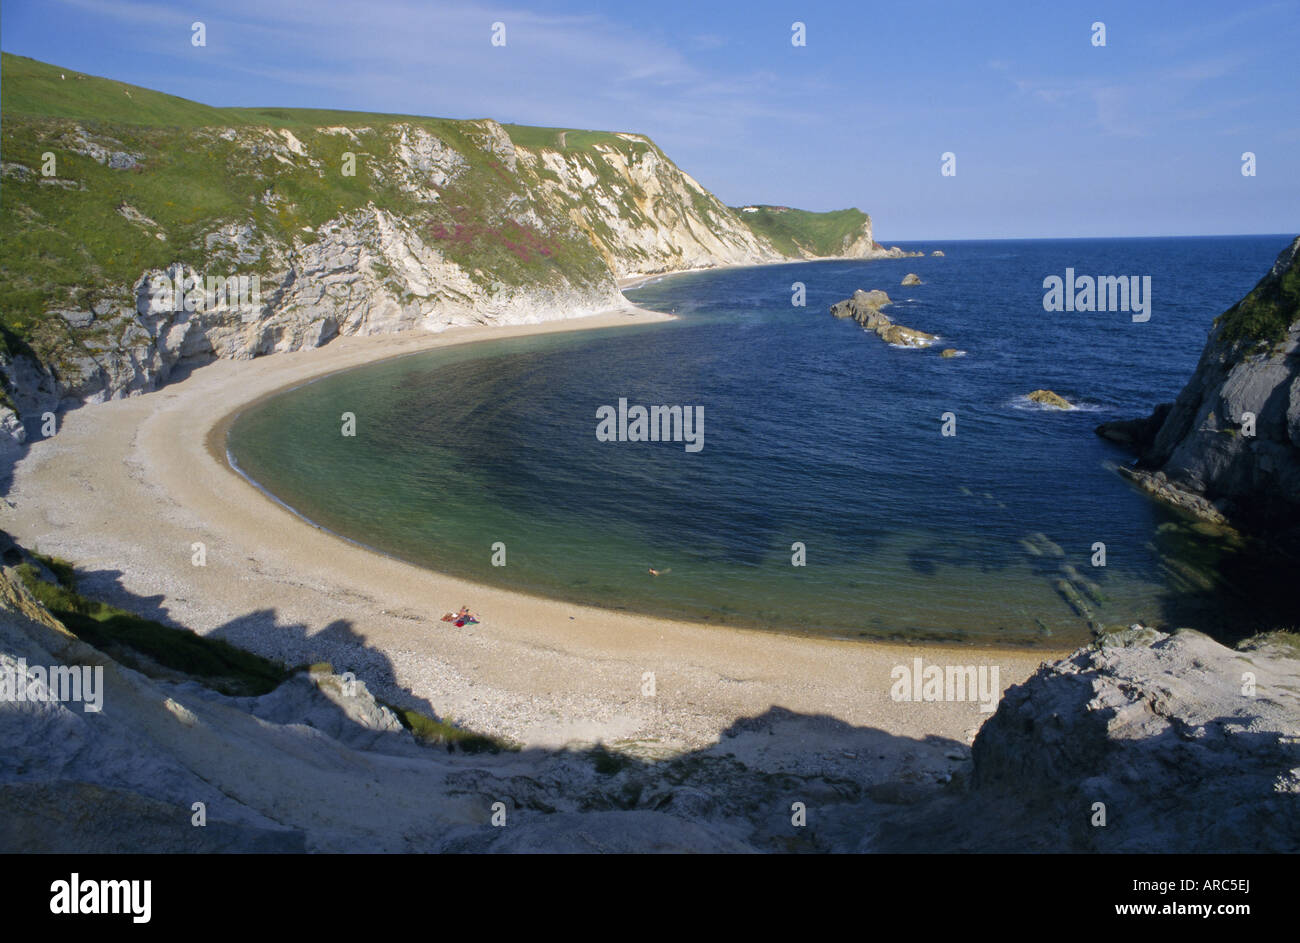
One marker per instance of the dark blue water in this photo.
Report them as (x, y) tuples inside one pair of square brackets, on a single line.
[(815, 432)]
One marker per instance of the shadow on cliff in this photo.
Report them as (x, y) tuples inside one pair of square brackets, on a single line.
[(11, 453)]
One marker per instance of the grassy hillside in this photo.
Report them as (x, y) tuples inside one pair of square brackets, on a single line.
[(37, 89), (798, 232), (559, 138), (64, 238), (41, 90)]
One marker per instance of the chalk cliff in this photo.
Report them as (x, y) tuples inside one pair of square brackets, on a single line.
[(119, 201)]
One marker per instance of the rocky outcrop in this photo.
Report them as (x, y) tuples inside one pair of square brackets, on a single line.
[(893, 252), (911, 278), (938, 252), (649, 215), (1229, 446), (1146, 742), (862, 246), (864, 308), (1135, 434), (1049, 398), (1158, 485)]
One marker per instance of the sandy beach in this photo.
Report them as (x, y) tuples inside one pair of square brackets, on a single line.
[(127, 488)]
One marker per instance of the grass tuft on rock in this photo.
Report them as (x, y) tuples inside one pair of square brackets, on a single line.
[(146, 645), (433, 732)]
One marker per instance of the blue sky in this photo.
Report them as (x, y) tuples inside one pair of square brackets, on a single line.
[(1053, 136)]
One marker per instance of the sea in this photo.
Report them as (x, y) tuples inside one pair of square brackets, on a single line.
[(839, 486)]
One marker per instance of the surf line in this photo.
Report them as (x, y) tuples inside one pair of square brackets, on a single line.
[(651, 424)]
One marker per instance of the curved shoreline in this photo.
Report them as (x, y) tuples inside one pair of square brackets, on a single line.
[(218, 447), (127, 487)]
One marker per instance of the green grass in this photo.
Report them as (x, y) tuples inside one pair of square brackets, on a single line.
[(1262, 318), (523, 135), (433, 732), (1287, 639), (141, 643), (39, 89), (801, 231)]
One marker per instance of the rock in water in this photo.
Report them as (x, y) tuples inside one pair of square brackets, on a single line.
[(864, 307), (938, 252), (911, 278), (1048, 398), (949, 352), (1135, 434), (1232, 438)]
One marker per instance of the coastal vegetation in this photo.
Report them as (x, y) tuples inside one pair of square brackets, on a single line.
[(801, 232), (1263, 317)]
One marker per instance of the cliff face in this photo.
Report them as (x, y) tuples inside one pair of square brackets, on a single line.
[(1201, 451), (340, 223), (640, 211)]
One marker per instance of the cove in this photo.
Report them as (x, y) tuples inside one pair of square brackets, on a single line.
[(818, 434)]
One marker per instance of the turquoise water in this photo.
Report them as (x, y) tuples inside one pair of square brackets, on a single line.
[(816, 433)]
